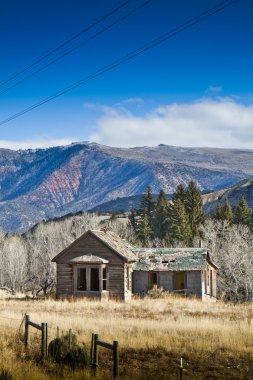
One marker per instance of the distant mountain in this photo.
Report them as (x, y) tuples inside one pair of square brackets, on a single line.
[(46, 183), (233, 194), (119, 205)]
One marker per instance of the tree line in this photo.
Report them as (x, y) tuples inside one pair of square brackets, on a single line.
[(177, 221), (239, 214), (174, 221)]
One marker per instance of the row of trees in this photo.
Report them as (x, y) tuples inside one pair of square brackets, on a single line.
[(172, 222), (177, 221), (239, 214)]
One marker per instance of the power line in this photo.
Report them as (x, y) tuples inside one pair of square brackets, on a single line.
[(77, 46), (101, 19), (157, 41)]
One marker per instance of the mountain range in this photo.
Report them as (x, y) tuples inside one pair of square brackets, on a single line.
[(46, 183)]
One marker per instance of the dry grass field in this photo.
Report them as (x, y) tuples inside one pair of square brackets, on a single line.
[(214, 339)]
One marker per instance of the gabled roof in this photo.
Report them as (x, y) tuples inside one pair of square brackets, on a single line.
[(111, 240), (171, 259)]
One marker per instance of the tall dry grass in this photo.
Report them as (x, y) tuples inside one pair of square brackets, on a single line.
[(177, 325)]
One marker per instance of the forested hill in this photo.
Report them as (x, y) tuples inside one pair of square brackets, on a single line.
[(46, 183)]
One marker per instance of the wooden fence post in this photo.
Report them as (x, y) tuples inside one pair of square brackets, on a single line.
[(181, 369), (58, 333), (27, 335), (115, 359), (44, 339), (95, 354), (70, 339), (91, 349)]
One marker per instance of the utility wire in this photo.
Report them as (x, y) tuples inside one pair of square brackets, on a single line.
[(114, 10), (78, 46), (157, 41)]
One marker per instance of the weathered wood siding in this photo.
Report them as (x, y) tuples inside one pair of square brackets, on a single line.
[(64, 277), (165, 280), (194, 283), (91, 245), (209, 281), (141, 282)]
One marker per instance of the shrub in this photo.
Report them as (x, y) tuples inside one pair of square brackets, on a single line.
[(156, 292), (5, 375), (75, 356)]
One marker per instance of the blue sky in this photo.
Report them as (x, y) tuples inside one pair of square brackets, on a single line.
[(195, 89)]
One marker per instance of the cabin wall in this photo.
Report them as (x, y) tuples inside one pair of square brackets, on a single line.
[(165, 280), (142, 283), (64, 276), (209, 282), (91, 245), (194, 283)]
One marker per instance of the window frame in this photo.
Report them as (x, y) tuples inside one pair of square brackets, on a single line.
[(88, 268)]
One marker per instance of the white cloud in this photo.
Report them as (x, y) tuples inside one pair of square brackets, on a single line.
[(221, 122), (33, 144)]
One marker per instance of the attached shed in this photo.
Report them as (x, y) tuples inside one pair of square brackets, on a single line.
[(98, 264), (185, 270)]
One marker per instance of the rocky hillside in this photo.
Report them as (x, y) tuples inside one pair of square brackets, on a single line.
[(45, 183), (233, 194)]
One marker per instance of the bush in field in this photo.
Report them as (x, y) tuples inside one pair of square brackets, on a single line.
[(5, 375), (74, 355), (156, 292)]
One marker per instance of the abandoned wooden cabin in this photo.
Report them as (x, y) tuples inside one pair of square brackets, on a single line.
[(100, 264)]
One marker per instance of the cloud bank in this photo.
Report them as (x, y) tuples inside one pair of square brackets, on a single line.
[(33, 144), (222, 122)]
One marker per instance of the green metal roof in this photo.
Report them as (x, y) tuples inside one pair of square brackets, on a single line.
[(170, 259)]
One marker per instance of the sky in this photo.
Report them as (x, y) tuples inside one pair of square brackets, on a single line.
[(195, 89)]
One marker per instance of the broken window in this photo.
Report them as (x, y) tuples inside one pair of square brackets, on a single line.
[(81, 279), (94, 279)]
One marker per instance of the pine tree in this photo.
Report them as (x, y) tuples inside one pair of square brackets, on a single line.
[(148, 206), (242, 213), (194, 208), (224, 212), (144, 231), (148, 202), (180, 193), (218, 212), (160, 220), (180, 230), (133, 219)]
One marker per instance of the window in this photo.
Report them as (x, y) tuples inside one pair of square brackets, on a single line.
[(81, 279), (104, 279), (94, 279), (91, 278)]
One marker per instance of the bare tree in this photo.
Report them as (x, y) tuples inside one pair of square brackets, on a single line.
[(231, 248)]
